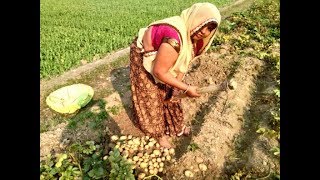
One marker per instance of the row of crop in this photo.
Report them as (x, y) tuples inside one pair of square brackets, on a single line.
[(75, 30), (256, 33)]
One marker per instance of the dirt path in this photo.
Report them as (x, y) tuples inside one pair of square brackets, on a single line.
[(221, 122)]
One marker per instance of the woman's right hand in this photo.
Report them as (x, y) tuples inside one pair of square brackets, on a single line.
[(192, 92)]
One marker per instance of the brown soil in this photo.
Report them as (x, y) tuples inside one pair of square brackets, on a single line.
[(223, 123)]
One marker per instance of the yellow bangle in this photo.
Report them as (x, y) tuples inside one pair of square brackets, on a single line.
[(187, 89)]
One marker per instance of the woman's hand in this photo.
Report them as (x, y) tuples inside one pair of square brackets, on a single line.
[(192, 92)]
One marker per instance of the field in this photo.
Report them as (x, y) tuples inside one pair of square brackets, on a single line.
[(74, 32), (235, 131)]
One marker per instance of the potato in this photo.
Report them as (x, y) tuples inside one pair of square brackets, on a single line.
[(155, 171), (161, 164), (156, 152), (165, 154), (131, 151), (146, 147), (151, 144), (122, 138), (125, 153), (202, 167), (141, 176), (129, 160), (151, 171), (171, 151), (114, 138), (188, 173), (156, 164), (135, 158), (136, 141), (130, 142), (105, 157), (143, 165)]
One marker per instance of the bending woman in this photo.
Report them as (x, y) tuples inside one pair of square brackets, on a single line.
[(159, 59)]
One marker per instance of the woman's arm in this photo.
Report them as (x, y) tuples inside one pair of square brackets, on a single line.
[(180, 76), (165, 59)]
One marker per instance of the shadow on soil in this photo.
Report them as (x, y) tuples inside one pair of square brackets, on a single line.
[(121, 83), (90, 124), (257, 114), (184, 144)]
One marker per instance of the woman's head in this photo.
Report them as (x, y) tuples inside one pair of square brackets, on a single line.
[(199, 14), (203, 31), (201, 21)]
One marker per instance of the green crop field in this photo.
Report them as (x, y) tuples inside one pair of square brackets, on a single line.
[(75, 30)]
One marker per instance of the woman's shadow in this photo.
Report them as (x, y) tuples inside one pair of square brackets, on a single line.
[(91, 123), (120, 79)]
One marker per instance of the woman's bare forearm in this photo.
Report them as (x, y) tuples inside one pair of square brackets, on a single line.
[(180, 76), (169, 79), (165, 59)]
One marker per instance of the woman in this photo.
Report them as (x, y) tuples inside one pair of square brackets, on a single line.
[(159, 58)]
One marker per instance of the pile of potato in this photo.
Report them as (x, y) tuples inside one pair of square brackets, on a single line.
[(144, 153)]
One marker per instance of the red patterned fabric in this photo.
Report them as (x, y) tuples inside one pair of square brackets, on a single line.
[(153, 112)]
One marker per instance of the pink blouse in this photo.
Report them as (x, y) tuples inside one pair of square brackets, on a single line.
[(161, 31)]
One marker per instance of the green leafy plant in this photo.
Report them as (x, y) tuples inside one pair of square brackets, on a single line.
[(88, 148), (81, 161), (269, 133), (114, 110), (275, 151), (120, 168), (193, 147), (94, 167), (59, 167), (240, 174)]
